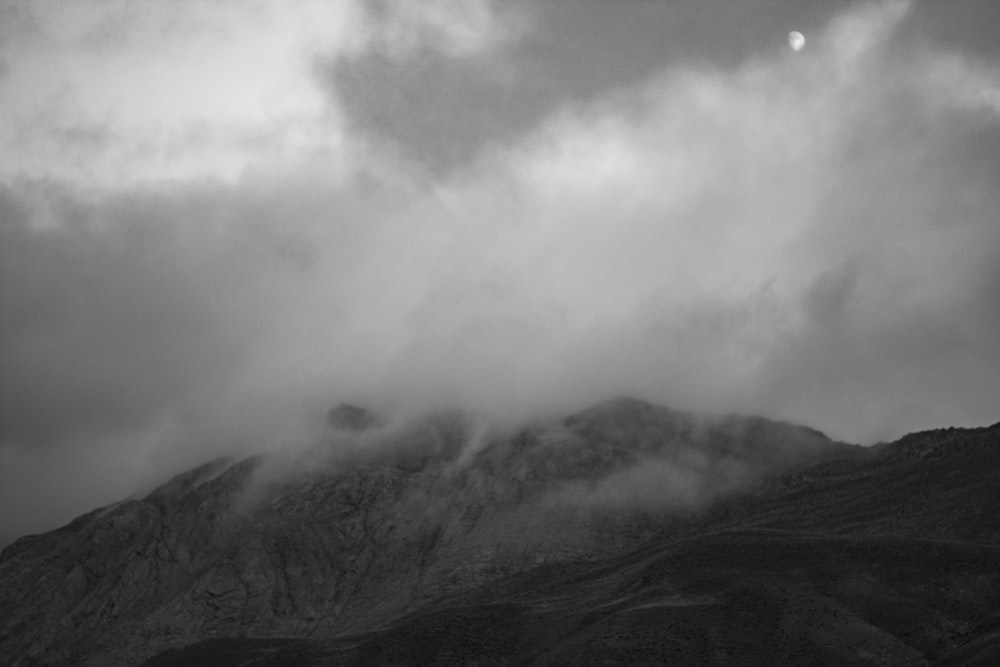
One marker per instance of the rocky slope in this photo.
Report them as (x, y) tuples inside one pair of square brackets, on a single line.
[(447, 543), (885, 559)]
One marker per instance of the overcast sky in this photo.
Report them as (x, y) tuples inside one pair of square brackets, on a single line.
[(218, 218)]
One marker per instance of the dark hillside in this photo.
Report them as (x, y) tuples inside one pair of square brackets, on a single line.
[(626, 534)]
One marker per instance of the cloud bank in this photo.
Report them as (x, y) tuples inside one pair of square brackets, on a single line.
[(813, 236)]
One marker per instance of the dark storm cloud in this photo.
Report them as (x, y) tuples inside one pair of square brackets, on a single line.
[(443, 111)]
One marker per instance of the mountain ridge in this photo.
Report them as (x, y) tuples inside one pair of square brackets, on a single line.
[(233, 549)]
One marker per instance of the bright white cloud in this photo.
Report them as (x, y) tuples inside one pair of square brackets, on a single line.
[(111, 93), (107, 93)]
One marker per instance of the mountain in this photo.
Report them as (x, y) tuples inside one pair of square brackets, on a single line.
[(628, 533)]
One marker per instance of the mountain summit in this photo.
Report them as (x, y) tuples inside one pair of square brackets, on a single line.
[(625, 533)]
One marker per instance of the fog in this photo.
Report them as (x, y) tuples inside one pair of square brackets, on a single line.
[(812, 236)]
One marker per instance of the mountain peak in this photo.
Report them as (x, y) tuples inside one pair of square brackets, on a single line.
[(348, 417), (620, 498)]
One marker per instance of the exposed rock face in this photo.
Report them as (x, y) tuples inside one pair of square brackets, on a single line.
[(251, 549)]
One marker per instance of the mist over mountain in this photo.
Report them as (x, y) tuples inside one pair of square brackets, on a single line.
[(626, 531), (216, 218), (324, 305)]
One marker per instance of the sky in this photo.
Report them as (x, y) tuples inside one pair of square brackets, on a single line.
[(220, 218)]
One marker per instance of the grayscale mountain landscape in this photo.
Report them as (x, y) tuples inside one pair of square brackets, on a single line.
[(499, 332), (624, 534)]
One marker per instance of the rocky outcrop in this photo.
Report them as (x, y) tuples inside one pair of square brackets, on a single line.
[(347, 417)]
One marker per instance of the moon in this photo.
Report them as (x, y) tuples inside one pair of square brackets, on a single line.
[(796, 40)]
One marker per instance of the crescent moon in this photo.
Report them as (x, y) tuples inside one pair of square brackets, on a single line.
[(796, 40)]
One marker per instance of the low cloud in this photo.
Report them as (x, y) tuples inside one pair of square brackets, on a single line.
[(659, 486), (812, 236)]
